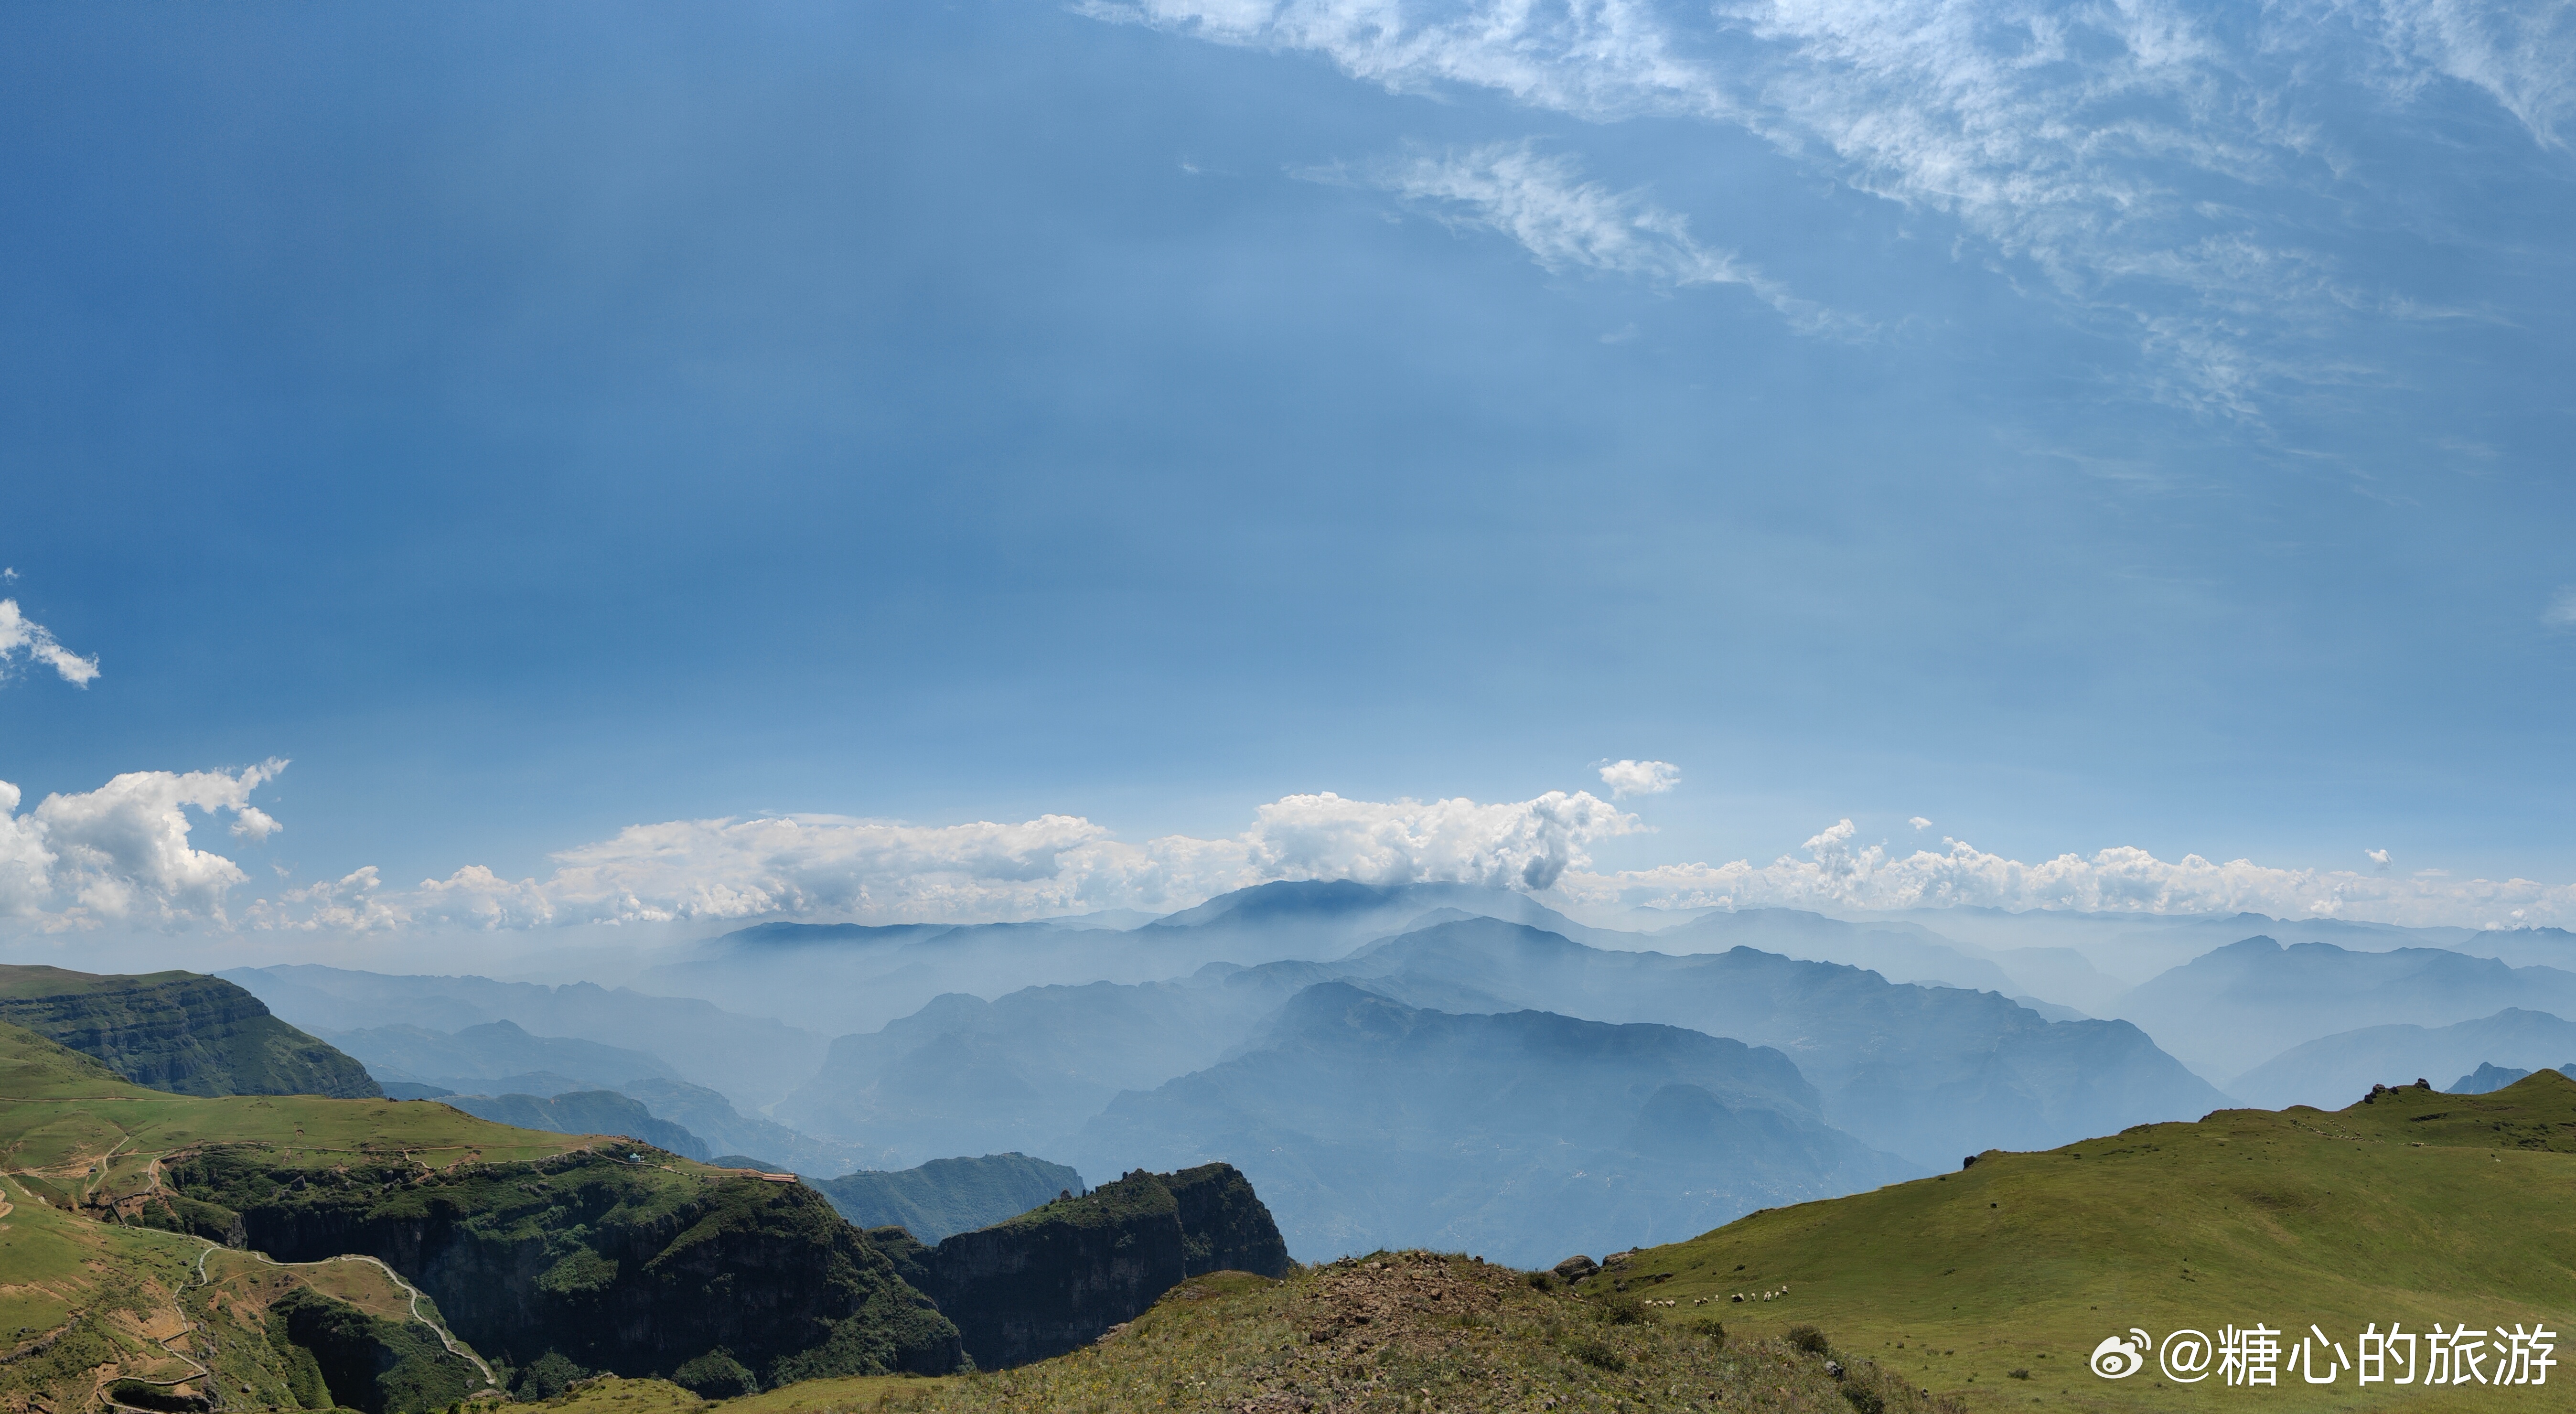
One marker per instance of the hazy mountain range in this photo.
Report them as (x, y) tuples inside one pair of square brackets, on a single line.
[(1367, 1123), (1110, 1043)]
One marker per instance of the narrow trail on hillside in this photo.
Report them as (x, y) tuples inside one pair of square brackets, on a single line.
[(454, 1346)]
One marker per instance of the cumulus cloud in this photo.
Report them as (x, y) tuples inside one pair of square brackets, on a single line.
[(20, 635), (1840, 874), (2085, 141), (1920, 823), (834, 866), (122, 854), (1627, 778), (1542, 201)]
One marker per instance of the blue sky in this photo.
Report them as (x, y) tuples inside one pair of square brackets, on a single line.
[(2075, 425)]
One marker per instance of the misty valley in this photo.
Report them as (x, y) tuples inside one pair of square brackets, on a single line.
[(862, 1163)]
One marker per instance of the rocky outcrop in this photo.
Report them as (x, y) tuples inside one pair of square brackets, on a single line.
[(1055, 1278), (595, 1261), (179, 1031)]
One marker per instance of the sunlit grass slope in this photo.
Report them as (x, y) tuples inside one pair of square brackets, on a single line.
[(1408, 1331), (2417, 1208), (85, 1303), (79, 1133), (86, 1299)]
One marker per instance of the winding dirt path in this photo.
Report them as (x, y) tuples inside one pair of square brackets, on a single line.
[(454, 1347)]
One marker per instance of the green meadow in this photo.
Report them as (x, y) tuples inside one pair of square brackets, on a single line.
[(2418, 1208)]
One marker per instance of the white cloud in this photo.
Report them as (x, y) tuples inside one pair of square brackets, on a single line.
[(2376, 856), (121, 853), (1564, 222), (2085, 139), (836, 867), (19, 634), (1920, 823), (2123, 879), (2561, 612), (2522, 55), (1627, 778)]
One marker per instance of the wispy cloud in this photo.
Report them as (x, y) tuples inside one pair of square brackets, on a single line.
[(2561, 612), (20, 635), (2521, 55), (1542, 201), (2161, 172)]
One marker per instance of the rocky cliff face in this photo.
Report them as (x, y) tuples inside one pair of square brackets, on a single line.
[(601, 1262), (1053, 1279), (179, 1031)]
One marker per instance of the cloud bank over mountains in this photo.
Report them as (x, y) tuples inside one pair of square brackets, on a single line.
[(2184, 178), (122, 855)]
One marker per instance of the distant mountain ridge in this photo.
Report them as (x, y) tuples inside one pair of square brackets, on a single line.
[(1368, 1123), (500, 1058), (584, 1112), (752, 1059), (944, 1197), (2335, 1070), (488, 1052), (1926, 1072), (2235, 1008), (2487, 1079)]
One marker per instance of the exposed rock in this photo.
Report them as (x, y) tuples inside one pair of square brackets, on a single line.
[(615, 1266), (1058, 1277), (1577, 1267)]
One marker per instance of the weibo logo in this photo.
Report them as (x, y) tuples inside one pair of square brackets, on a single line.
[(2117, 1358)]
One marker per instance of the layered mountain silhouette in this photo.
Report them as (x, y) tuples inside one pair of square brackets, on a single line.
[(500, 1060), (1899, 952), (964, 1075), (489, 1052), (2332, 1071), (2487, 1079), (938, 1199), (2231, 1010), (1365, 1122), (584, 1112), (1928, 1072), (752, 1059), (847, 977)]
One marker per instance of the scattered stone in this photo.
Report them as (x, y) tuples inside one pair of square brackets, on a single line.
[(1577, 1267)]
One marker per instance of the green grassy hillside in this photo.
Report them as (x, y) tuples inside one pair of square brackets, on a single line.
[(178, 1031), (1393, 1333), (89, 1309), (2417, 1208), (555, 1254)]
